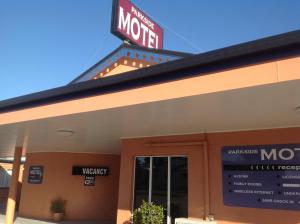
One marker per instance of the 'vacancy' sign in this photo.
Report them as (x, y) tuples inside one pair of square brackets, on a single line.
[(90, 171)]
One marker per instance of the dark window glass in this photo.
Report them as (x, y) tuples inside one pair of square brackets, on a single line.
[(141, 187), (159, 188), (160, 181), (179, 187)]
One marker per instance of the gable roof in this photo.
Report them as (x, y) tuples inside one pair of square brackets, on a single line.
[(128, 50), (266, 49)]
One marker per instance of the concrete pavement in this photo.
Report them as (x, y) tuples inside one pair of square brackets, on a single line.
[(20, 220), (31, 221)]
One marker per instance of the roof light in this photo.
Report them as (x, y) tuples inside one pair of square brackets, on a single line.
[(65, 133), (297, 110)]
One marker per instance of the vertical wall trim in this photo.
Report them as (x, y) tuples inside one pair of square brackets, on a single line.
[(133, 184), (150, 179), (169, 192), (206, 181)]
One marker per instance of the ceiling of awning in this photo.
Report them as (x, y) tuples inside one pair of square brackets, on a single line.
[(259, 107)]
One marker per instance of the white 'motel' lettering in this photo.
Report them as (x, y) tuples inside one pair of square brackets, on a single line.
[(269, 155), (145, 30), (137, 30), (124, 21), (135, 22), (282, 154)]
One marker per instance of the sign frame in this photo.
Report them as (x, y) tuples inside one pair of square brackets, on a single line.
[(34, 178), (114, 25), (261, 176)]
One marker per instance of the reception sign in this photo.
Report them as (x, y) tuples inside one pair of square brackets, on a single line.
[(262, 176), (131, 23)]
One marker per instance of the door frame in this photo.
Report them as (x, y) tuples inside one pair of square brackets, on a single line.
[(150, 180)]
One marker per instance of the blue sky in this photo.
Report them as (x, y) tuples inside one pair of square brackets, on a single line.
[(45, 44)]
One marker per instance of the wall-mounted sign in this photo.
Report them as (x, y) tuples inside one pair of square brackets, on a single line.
[(130, 23), (262, 176), (35, 175), (89, 180), (90, 171)]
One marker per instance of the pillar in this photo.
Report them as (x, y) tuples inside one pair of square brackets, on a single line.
[(13, 189)]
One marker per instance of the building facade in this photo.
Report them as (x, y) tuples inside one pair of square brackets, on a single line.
[(212, 137)]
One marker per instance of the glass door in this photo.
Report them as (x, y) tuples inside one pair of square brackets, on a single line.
[(179, 188), (163, 181), (159, 186)]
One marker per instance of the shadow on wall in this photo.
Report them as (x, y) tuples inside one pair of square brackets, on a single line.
[(98, 202)]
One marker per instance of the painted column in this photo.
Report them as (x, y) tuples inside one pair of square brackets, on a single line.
[(13, 189)]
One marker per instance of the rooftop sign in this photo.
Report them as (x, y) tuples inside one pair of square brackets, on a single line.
[(130, 23)]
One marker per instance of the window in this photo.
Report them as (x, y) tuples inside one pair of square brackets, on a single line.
[(5, 176)]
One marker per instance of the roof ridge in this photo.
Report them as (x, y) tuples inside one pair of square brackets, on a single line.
[(162, 51), (134, 47)]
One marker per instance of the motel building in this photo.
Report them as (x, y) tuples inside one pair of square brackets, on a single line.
[(213, 137)]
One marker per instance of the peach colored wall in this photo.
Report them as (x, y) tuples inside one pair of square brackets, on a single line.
[(226, 214), (93, 203), (223, 214)]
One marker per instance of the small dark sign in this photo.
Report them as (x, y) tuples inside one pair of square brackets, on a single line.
[(90, 171), (35, 175), (89, 180)]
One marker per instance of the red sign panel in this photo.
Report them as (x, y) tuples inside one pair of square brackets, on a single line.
[(130, 23)]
